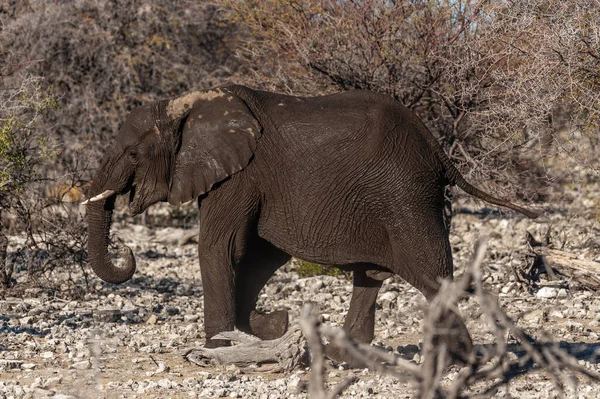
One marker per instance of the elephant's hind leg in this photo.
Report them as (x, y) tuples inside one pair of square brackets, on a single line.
[(253, 272), (423, 257), (360, 320)]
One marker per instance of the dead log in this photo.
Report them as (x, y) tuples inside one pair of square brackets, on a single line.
[(252, 354), (583, 272)]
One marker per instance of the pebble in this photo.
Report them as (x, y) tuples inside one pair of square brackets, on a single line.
[(172, 310), (9, 364), (82, 365), (547, 292), (534, 317), (108, 315), (43, 393), (165, 383)]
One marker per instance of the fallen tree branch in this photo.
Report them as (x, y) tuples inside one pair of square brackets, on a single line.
[(584, 272), (278, 355)]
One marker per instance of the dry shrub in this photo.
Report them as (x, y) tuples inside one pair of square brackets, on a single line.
[(102, 58), (30, 202), (486, 76)]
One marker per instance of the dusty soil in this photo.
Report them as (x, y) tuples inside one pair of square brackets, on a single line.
[(126, 341)]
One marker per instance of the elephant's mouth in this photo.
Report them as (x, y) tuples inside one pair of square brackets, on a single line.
[(134, 204)]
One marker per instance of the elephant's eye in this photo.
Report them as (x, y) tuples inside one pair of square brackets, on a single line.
[(133, 154)]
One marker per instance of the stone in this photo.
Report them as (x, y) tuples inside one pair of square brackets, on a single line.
[(107, 315), (409, 351), (54, 381), (388, 296), (82, 365), (172, 310), (534, 317), (42, 393), (165, 383), (294, 383), (547, 292), (9, 364)]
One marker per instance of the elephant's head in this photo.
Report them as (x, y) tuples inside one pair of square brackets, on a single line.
[(172, 150)]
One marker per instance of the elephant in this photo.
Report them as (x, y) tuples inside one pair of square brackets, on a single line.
[(353, 179)]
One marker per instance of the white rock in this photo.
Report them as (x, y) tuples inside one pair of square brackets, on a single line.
[(388, 296), (54, 381), (547, 292), (82, 365), (293, 383), (534, 317), (165, 383)]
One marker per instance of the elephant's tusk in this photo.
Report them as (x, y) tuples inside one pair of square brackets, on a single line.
[(99, 197)]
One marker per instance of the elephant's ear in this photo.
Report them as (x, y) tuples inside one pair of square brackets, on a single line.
[(218, 139)]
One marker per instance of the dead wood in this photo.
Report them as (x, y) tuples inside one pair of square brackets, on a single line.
[(252, 354), (584, 272)]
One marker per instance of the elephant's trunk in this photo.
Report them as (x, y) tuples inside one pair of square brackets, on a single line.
[(99, 217)]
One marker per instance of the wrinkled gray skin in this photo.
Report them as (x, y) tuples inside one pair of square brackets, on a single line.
[(352, 179)]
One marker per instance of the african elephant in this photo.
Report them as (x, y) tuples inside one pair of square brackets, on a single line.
[(353, 179)]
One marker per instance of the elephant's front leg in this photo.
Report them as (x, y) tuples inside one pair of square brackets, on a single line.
[(218, 283)]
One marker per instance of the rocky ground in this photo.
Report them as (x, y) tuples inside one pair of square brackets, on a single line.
[(126, 341)]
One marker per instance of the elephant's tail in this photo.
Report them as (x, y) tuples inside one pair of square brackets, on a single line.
[(452, 174), (455, 178)]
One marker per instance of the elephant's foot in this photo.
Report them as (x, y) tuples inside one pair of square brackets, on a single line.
[(452, 332), (267, 326)]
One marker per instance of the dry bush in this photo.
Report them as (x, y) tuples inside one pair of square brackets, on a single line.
[(53, 234), (102, 58), (484, 370), (486, 76)]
